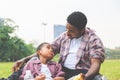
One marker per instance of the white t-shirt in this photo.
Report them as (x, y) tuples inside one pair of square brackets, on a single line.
[(45, 70), (71, 59)]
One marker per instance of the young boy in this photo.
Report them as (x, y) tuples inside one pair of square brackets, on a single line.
[(43, 68)]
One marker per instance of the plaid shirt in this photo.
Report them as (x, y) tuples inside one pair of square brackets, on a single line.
[(90, 47)]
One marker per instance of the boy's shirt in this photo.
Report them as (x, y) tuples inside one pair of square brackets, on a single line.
[(35, 67)]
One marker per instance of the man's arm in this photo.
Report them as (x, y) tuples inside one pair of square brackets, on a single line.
[(19, 63), (59, 78), (94, 69)]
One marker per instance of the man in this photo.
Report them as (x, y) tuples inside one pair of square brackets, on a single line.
[(81, 50)]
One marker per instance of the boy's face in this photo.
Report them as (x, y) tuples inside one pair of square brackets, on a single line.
[(47, 51)]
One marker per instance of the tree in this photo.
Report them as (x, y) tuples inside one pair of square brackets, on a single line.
[(12, 48), (112, 53)]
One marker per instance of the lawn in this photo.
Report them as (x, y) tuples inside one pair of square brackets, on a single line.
[(110, 68), (5, 69)]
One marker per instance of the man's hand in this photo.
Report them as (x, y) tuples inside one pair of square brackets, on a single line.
[(17, 65), (20, 62), (80, 76), (58, 78)]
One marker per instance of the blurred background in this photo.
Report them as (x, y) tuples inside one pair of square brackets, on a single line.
[(36, 18)]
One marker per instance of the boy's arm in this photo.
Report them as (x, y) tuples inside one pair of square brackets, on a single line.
[(19, 63), (28, 66), (59, 74)]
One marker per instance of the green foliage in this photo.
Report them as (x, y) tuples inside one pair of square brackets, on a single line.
[(113, 53), (12, 48), (56, 58)]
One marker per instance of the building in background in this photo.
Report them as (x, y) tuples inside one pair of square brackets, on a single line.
[(58, 29)]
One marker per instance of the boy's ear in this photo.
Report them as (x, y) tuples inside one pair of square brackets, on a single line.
[(38, 52)]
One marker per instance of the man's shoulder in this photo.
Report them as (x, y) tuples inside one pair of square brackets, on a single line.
[(91, 34), (89, 30)]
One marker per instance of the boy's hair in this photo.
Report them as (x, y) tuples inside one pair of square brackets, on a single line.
[(77, 19), (41, 45)]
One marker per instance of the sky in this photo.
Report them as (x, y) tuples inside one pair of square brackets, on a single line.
[(103, 16)]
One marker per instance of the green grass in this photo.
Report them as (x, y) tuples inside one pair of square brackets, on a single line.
[(110, 68), (5, 69)]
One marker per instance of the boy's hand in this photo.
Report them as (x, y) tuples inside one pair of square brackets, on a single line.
[(40, 77)]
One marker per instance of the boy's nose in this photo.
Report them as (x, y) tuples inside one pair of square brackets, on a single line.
[(51, 49)]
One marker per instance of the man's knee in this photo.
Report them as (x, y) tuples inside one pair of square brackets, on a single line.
[(99, 77)]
